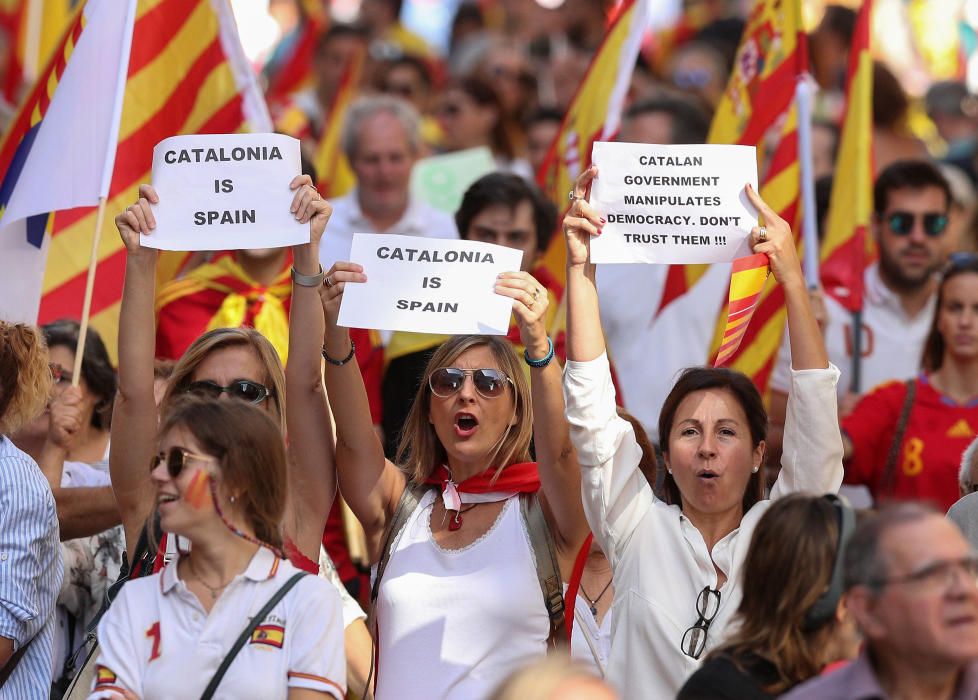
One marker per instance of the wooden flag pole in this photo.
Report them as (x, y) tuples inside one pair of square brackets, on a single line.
[(89, 288)]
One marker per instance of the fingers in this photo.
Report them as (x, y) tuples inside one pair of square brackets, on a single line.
[(302, 203), (337, 277), (300, 180), (149, 193), (142, 222), (770, 216), (584, 181), (578, 224)]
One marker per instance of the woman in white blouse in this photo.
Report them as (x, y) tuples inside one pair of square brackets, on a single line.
[(677, 564)]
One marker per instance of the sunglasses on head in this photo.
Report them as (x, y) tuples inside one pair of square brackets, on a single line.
[(175, 460), (902, 222), (448, 381), (245, 389)]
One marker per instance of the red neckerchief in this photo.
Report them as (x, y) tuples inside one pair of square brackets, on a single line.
[(515, 478)]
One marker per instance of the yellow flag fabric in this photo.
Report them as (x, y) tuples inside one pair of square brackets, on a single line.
[(844, 250), (336, 178)]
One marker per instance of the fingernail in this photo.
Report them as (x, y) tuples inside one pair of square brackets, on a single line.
[(600, 231), (603, 221)]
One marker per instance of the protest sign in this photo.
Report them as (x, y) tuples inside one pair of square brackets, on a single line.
[(427, 285), (225, 192), (440, 181), (672, 204)]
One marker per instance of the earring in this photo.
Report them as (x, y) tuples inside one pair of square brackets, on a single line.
[(232, 497), (755, 469), (670, 471)]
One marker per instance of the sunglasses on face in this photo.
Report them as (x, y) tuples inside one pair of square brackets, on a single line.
[(448, 381), (902, 222), (176, 459), (245, 389)]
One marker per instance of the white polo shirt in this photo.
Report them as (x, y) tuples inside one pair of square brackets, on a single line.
[(892, 341), (158, 642)]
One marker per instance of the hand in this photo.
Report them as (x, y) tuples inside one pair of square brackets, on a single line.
[(331, 292), (66, 418), (309, 206), (530, 308), (137, 219), (581, 221), (779, 244)]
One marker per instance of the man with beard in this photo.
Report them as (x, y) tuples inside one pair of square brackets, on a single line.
[(909, 225)]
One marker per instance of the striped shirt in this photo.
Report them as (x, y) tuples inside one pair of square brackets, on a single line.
[(30, 571)]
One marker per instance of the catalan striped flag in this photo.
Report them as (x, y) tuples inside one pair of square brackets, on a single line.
[(747, 278), (34, 28), (844, 249), (58, 150), (335, 175), (186, 74), (771, 59), (594, 114), (290, 69)]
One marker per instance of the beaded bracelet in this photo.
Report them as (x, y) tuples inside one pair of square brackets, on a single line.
[(340, 363), (543, 361)]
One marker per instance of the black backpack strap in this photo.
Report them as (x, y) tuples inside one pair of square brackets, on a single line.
[(889, 469), (548, 568), (246, 634)]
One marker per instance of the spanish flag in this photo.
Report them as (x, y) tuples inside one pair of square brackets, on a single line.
[(187, 74), (594, 114), (269, 635), (844, 251), (747, 279)]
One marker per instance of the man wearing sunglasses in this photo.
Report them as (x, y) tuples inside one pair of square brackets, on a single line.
[(911, 584)]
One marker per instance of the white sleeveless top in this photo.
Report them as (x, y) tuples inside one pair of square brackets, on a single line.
[(454, 623)]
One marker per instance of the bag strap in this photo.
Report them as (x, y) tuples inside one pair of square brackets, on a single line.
[(246, 634), (548, 569), (410, 498), (889, 470), (8, 668)]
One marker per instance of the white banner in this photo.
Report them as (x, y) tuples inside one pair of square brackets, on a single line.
[(225, 192), (672, 204), (427, 285)]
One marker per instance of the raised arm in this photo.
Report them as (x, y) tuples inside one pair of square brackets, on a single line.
[(370, 483), (585, 340), (312, 471), (134, 418), (560, 473)]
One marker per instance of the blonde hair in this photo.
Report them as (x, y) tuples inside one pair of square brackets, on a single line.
[(25, 377), (421, 452), (543, 679), (221, 338)]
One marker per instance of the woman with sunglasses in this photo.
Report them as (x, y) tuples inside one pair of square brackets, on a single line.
[(904, 440), (677, 564), (459, 603), (219, 482), (237, 363)]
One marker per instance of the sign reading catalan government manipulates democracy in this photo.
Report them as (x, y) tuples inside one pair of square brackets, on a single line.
[(672, 204), (225, 192)]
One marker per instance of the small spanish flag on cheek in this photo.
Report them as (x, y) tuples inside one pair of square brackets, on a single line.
[(104, 677), (746, 284), (269, 635), (196, 494)]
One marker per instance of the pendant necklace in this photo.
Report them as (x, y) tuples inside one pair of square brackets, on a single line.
[(594, 603)]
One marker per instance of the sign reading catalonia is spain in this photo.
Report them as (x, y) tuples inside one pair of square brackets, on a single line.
[(673, 204), (225, 192)]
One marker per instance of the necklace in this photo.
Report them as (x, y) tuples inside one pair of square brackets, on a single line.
[(214, 590), (456, 522), (594, 602)]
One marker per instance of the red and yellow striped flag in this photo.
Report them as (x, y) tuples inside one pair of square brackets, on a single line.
[(291, 68), (593, 115), (747, 278), (31, 53), (336, 178), (187, 74), (844, 251)]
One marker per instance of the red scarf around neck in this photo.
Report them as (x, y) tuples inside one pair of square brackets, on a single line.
[(521, 478)]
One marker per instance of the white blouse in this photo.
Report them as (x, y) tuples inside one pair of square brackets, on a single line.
[(660, 561)]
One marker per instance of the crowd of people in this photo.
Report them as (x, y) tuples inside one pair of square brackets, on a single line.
[(550, 513)]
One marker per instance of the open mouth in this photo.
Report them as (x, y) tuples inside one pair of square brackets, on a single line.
[(166, 498), (707, 475), (465, 424)]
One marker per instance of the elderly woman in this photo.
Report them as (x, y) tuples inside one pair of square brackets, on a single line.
[(677, 563)]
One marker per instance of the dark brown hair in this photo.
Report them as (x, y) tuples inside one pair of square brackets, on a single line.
[(484, 94), (96, 367), (798, 533), (249, 446), (933, 354), (703, 378)]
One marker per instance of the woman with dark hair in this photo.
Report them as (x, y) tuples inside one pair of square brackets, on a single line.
[(677, 563), (455, 526), (904, 440), (471, 115), (788, 627), (220, 481)]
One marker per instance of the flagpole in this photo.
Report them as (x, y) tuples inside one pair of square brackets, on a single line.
[(804, 93), (89, 288), (32, 42)]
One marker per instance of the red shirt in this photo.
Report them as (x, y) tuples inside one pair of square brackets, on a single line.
[(938, 431)]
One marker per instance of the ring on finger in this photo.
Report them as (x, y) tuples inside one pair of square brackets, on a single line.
[(572, 196), (762, 234), (536, 293), (328, 281)]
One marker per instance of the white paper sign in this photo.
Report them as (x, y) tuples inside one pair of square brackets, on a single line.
[(225, 192), (673, 204), (428, 285)]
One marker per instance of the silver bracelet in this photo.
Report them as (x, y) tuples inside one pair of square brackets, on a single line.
[(308, 280)]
